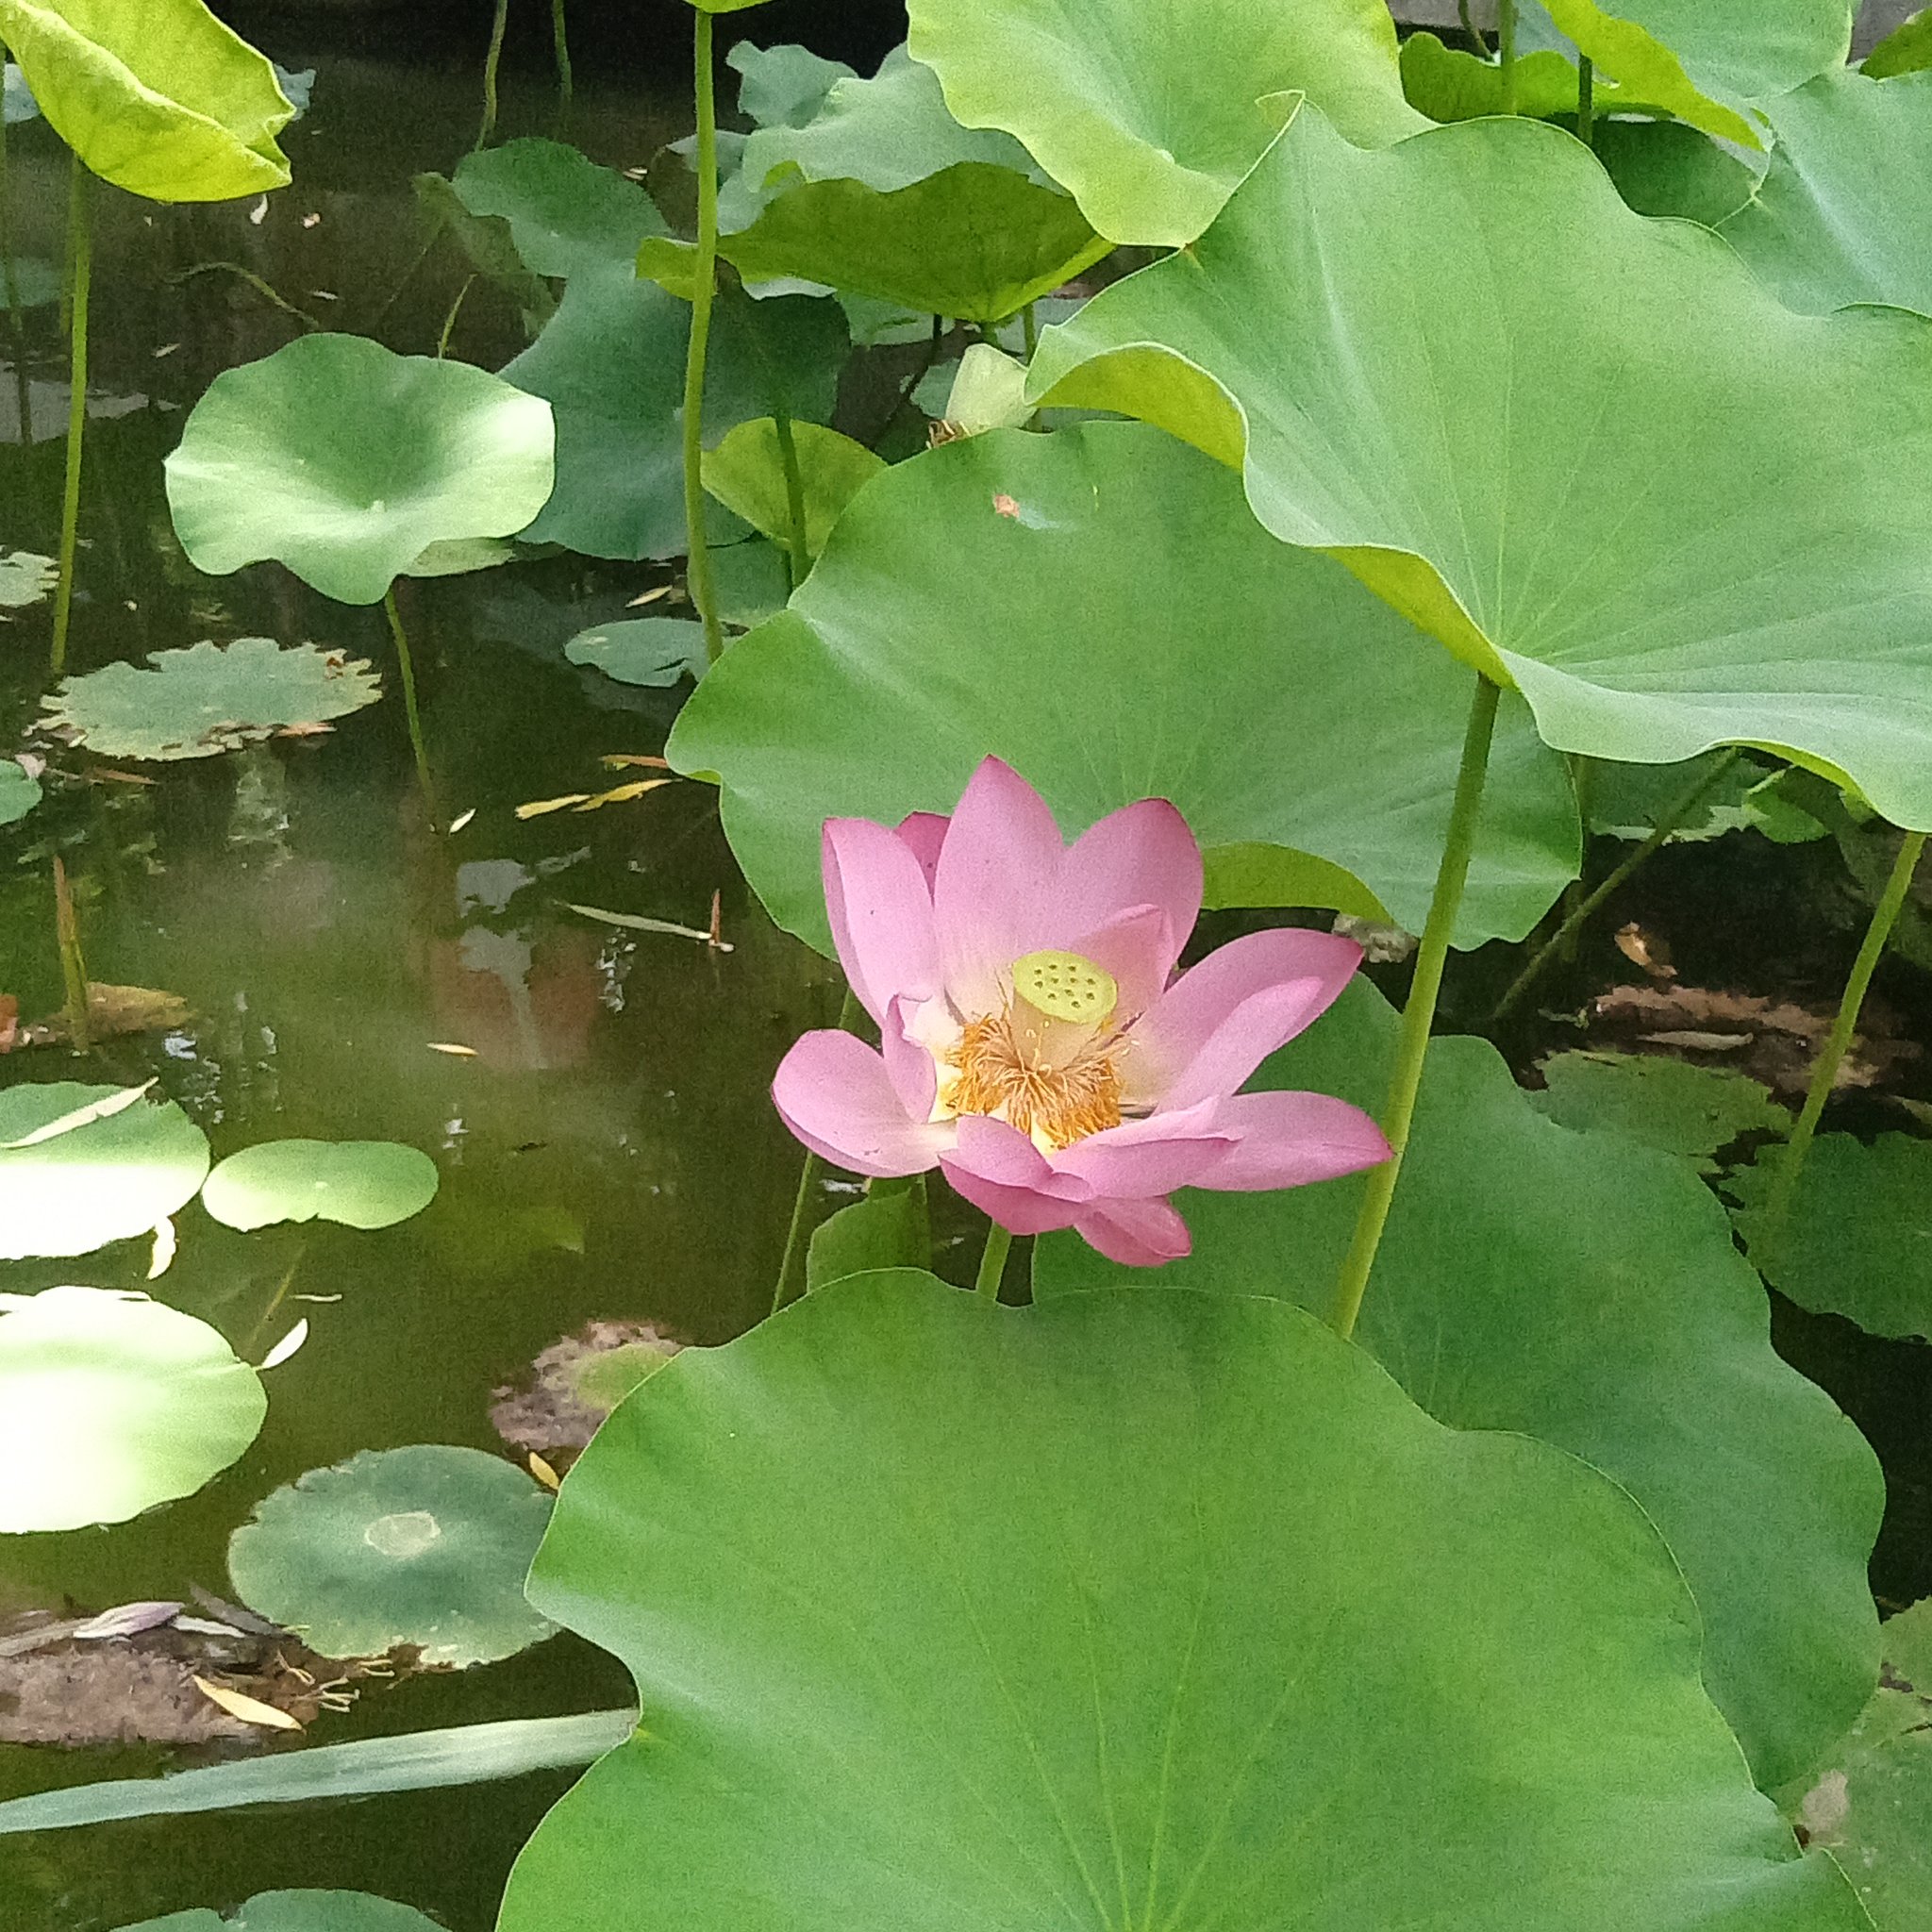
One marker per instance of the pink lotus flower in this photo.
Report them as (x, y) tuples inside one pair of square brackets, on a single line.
[(1037, 1045)]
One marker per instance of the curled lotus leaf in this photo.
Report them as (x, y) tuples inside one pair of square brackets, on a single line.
[(345, 461), (1625, 532), (208, 699), (157, 97), (112, 1403)]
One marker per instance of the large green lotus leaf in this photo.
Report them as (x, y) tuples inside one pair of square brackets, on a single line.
[(783, 86), (976, 241), (1872, 1806), (299, 1912), (20, 792), (565, 212), (1858, 1238), (157, 97), (365, 1184), (1657, 519), (109, 1404), (426, 1545), (1099, 608), (345, 461), (1848, 179), (1151, 113), (208, 699), (1707, 61), (1584, 1290), (82, 1166), (746, 474), (610, 362), (1139, 1609)]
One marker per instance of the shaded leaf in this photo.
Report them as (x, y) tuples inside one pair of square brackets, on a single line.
[(20, 792), (1658, 1102), (746, 474), (651, 651), (299, 1912), (1665, 168), (783, 86), (889, 1229), (565, 212)]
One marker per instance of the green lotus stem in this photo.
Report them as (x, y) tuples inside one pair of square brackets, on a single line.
[(262, 288), (993, 1262), (1419, 1014), (560, 39), (1583, 776), (407, 670), (491, 61), (1837, 1042), (808, 1177), (80, 248), (1029, 329), (1671, 818), (698, 561), (794, 496), (1506, 51), (1585, 101), (73, 965), (1469, 27), (449, 321)]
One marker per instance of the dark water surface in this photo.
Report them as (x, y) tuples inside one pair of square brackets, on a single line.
[(609, 1152)]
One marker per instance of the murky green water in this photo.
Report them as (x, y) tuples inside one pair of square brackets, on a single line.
[(608, 1152)]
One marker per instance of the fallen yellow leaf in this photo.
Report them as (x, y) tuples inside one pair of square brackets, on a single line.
[(251, 1710), (537, 806), (622, 793), (449, 1047), (544, 1472)]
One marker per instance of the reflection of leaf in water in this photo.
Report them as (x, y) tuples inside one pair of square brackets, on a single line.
[(208, 699), (112, 1011)]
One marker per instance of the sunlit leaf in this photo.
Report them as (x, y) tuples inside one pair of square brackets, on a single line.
[(746, 474), (1623, 530), (1584, 1290), (1138, 1608), (426, 1546), (344, 461), (111, 1403), (208, 699), (157, 97), (1127, 631), (365, 1184)]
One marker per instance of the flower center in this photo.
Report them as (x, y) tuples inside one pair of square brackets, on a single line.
[(1045, 1061)]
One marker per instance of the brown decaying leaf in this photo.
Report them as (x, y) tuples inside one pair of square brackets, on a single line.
[(1647, 951), (547, 1413), (113, 1010)]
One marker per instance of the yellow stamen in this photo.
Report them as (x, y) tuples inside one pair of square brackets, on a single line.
[(1051, 1076)]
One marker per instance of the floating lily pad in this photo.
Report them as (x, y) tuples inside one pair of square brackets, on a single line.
[(651, 651), (20, 792), (1584, 1290), (299, 1912), (746, 474), (1660, 1102), (25, 578), (113, 1175), (1144, 1609), (176, 108), (1639, 502), (565, 212), (364, 1184), (208, 699), (111, 1403), (576, 1382), (345, 461), (427, 1546), (1857, 1242)]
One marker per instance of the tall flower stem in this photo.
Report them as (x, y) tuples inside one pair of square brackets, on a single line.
[(73, 965), (1585, 101), (809, 1175), (491, 61), (699, 560), (1837, 1042), (1472, 30), (1420, 1013), (1579, 915), (993, 1262), (800, 549), (406, 669), (559, 40), (1506, 51), (80, 248)]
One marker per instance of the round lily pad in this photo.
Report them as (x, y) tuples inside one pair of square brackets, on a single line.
[(363, 1184), (109, 1404), (345, 461), (299, 1912), (209, 698), (655, 651), (109, 1173), (428, 1545)]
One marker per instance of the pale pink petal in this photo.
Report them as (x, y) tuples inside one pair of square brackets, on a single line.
[(833, 1091), (1146, 1158), (880, 909), (1218, 997), (1019, 1210), (926, 832), (1289, 1140), (1143, 855), (1137, 947), (996, 889), (999, 1153), (1137, 1234), (909, 1064)]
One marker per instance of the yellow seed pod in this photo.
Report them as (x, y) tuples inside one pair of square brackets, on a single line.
[(1063, 986)]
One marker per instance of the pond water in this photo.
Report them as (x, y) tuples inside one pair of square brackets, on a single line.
[(609, 1151)]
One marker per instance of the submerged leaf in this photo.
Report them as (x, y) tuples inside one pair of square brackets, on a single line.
[(208, 699), (651, 651), (365, 1184), (576, 1382)]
